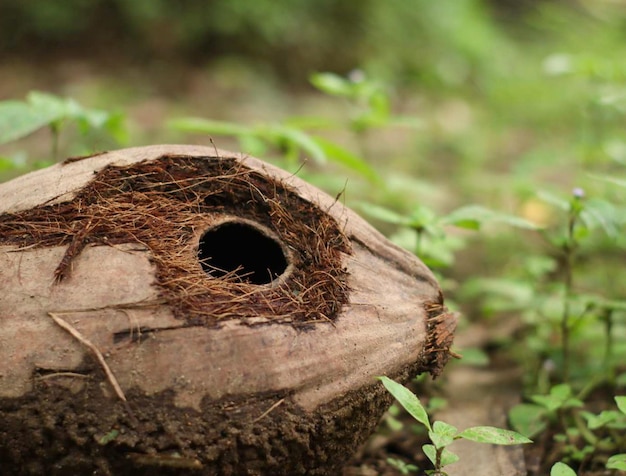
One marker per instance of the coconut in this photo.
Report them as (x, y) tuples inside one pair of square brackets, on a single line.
[(184, 309)]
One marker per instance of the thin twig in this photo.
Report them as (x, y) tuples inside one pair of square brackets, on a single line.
[(62, 374), (79, 337), (269, 410)]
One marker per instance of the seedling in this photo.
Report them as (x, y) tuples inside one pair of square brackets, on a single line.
[(404, 468), (369, 99), (292, 137), (582, 216), (18, 119), (427, 224), (582, 434), (531, 419), (442, 434), (292, 142)]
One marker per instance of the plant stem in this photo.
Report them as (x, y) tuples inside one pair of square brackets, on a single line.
[(585, 432), (438, 459), (418, 245), (568, 281), (55, 128), (565, 320), (607, 317)]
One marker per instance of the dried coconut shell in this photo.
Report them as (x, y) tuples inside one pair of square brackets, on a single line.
[(179, 308)]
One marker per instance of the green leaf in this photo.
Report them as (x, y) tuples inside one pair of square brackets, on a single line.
[(621, 403), (342, 156), (379, 102), (431, 452), (553, 200), (18, 119), (561, 469), (7, 163), (423, 217), (302, 140), (617, 462), (384, 214), (110, 436), (447, 456), (332, 84), (393, 423), (614, 180), (49, 105), (252, 144), (601, 302), (495, 436), (475, 357), (559, 397), (94, 118), (502, 294), (116, 126), (474, 216), (436, 403), (442, 434), (603, 214), (548, 402), (408, 400), (598, 421), (401, 466), (561, 391), (378, 113)]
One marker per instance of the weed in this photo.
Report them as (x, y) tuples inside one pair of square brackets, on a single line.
[(442, 434), (40, 110)]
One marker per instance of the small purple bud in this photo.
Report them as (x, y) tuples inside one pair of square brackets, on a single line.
[(578, 193), (356, 76), (549, 366)]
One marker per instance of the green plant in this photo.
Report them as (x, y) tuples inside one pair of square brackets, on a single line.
[(21, 118), (442, 434), (530, 419), (582, 217), (580, 311), (581, 433), (427, 225), (371, 109), (404, 468), (292, 142), (369, 100), (562, 303)]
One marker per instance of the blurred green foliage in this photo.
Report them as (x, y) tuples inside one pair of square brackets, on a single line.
[(454, 43)]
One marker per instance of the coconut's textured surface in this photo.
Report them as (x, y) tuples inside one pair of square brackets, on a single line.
[(133, 342)]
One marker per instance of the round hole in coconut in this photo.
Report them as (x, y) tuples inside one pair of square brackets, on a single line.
[(243, 251)]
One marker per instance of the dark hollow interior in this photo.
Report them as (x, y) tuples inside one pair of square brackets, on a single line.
[(242, 251)]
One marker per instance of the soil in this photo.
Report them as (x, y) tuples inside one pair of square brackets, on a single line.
[(53, 432)]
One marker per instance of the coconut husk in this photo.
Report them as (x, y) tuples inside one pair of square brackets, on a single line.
[(180, 308)]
